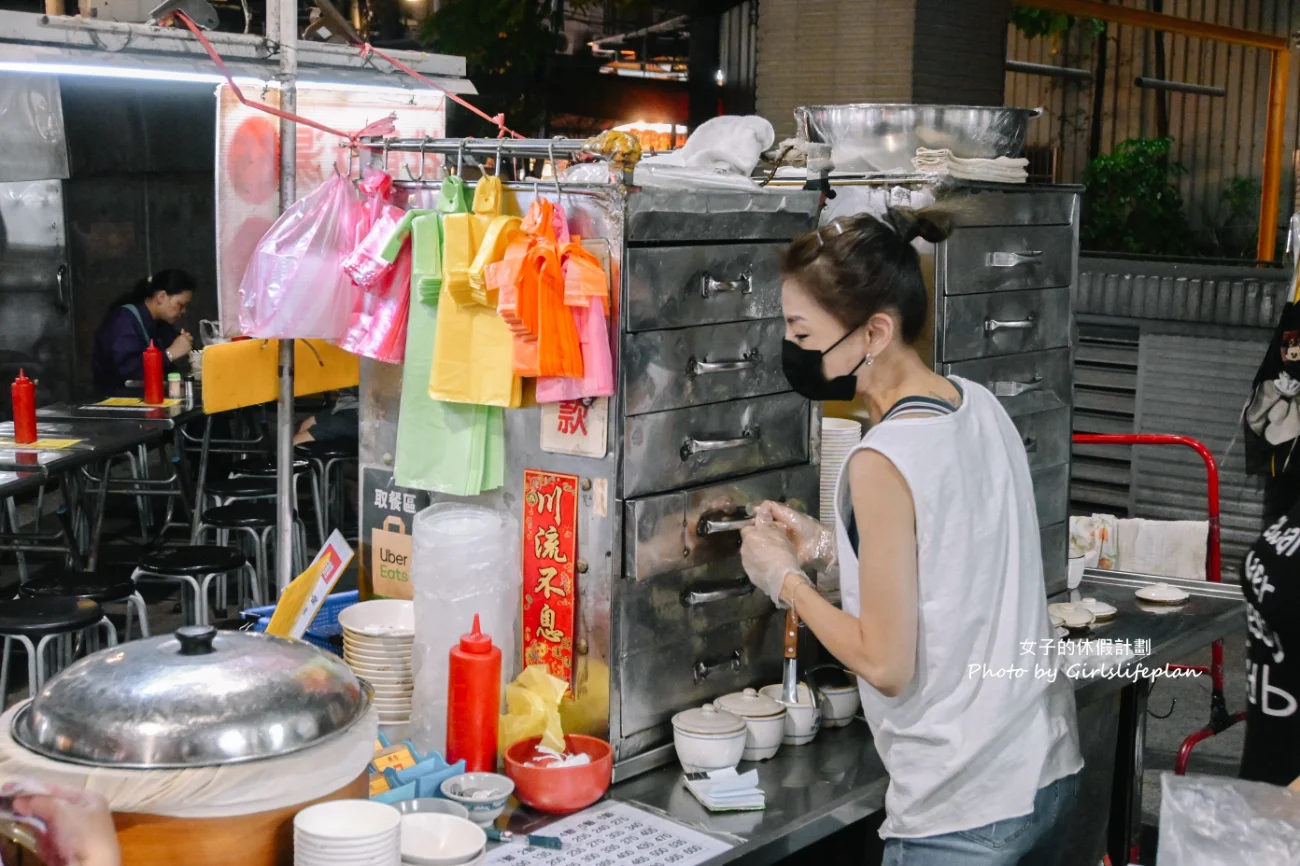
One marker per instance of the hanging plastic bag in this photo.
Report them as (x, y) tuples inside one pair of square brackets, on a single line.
[(367, 263), (378, 328), (294, 285)]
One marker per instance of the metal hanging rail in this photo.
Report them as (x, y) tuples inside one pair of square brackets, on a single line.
[(563, 148)]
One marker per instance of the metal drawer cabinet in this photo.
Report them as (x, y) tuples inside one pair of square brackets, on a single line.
[(1026, 383), (680, 286), (998, 258), (1046, 437), (699, 526), (1056, 553), (669, 450), (1052, 493), (686, 367), (672, 607), (655, 683), (1004, 323)]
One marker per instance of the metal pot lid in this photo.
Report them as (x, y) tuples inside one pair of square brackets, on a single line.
[(750, 704), (708, 720), (197, 698)]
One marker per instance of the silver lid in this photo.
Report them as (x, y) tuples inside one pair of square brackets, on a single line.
[(197, 698)]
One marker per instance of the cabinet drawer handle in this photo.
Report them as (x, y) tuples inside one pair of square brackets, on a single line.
[(695, 597), (714, 525), (732, 662), (992, 325), (1015, 389), (696, 367), (1012, 259), (695, 446), (710, 286)]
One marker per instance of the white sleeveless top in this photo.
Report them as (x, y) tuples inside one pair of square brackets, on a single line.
[(964, 749)]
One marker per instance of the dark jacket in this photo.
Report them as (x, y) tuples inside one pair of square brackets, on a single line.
[(117, 355)]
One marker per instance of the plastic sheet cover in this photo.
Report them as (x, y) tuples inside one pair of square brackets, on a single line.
[(32, 142), (1217, 821)]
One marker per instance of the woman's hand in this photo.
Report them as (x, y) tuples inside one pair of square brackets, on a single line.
[(78, 826), (768, 557), (814, 544), (181, 346)]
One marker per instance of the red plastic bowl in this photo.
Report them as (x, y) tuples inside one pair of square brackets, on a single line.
[(560, 790)]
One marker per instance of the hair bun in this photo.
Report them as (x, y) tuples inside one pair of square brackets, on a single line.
[(931, 224)]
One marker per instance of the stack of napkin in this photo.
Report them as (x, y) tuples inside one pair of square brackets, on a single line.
[(1004, 169), (726, 790)]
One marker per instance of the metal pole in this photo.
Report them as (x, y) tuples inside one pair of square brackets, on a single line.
[(288, 16)]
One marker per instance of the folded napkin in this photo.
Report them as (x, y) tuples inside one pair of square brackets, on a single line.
[(726, 790), (1003, 169)]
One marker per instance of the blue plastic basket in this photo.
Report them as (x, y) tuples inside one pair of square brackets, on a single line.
[(324, 630)]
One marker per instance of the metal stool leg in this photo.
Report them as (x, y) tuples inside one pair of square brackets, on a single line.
[(36, 662), (4, 675), (110, 630), (137, 601)]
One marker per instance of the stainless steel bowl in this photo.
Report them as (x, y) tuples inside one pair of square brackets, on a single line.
[(881, 137), (194, 699)]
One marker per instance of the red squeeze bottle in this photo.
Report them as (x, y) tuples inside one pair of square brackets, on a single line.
[(23, 393), (474, 702), (153, 374)]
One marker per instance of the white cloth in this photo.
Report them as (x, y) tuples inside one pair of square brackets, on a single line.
[(962, 749), (207, 792), (722, 152), (1096, 536), (1003, 169), (1168, 548)]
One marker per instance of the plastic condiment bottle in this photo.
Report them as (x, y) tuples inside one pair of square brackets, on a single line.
[(153, 374), (23, 393), (175, 390), (474, 701)]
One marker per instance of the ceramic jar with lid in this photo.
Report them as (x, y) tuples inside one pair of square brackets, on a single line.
[(708, 739), (764, 722)]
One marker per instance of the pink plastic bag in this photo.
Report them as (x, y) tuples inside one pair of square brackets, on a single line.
[(378, 328), (294, 285)]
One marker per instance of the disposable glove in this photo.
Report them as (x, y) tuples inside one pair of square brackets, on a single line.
[(768, 555), (814, 544)]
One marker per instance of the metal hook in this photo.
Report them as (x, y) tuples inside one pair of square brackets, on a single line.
[(385, 155), (555, 169), (497, 167), (423, 142), (460, 157)]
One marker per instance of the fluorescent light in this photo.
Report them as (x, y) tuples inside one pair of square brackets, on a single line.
[(154, 74)]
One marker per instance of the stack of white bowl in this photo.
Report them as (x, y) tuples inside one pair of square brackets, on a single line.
[(839, 435), (347, 833), (378, 639)]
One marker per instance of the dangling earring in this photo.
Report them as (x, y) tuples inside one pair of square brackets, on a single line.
[(867, 359)]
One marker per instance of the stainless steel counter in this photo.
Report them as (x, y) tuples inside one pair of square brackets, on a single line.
[(838, 779)]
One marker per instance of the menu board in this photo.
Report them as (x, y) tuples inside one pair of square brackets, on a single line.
[(614, 834)]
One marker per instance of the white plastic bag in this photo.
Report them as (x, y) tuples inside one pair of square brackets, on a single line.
[(1216, 821), (294, 285)]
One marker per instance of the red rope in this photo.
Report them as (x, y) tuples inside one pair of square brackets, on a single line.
[(239, 94), (499, 120)]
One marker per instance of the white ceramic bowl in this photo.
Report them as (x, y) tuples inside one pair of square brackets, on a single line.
[(381, 669), (840, 706), (802, 721), (382, 617), (430, 839), (763, 737), (431, 804), (717, 744), (472, 790), (346, 820)]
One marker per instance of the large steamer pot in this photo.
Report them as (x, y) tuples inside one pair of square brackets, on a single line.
[(188, 713), (871, 138)]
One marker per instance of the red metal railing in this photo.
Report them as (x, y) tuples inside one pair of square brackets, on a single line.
[(1220, 719)]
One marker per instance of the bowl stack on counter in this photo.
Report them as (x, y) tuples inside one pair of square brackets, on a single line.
[(378, 637)]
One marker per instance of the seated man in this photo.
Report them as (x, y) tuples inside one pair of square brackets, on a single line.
[(338, 423)]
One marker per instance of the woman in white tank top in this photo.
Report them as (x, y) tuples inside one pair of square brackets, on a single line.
[(944, 615)]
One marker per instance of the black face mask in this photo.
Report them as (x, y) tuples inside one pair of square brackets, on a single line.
[(803, 370)]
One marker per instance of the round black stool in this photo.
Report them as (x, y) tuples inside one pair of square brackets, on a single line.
[(98, 587), (35, 623), (256, 521), (328, 459), (194, 568), (259, 467)]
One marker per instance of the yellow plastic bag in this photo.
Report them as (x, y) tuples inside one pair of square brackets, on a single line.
[(473, 352)]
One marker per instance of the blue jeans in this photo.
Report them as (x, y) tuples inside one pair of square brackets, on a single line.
[(1031, 840)]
